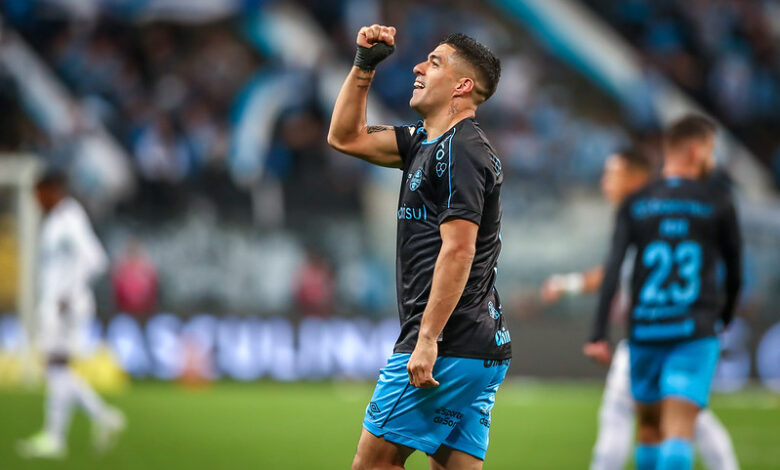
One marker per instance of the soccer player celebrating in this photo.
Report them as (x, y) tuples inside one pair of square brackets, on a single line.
[(625, 173), (680, 226), (70, 257), (438, 388)]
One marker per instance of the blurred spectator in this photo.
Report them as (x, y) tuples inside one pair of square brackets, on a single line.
[(134, 281), (206, 137), (314, 292), (160, 154), (364, 283)]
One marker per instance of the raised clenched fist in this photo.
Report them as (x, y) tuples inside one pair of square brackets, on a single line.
[(374, 44), (370, 35)]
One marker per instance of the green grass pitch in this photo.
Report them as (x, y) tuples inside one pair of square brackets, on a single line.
[(316, 426)]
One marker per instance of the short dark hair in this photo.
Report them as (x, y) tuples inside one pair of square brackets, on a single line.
[(637, 159), (486, 65), (52, 177), (691, 126)]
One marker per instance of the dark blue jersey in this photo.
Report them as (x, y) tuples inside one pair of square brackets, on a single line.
[(457, 176), (681, 230)]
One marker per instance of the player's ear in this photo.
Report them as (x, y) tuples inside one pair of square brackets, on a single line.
[(465, 85)]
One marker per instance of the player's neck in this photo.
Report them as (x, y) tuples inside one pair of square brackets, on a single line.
[(672, 170), (55, 203), (439, 123)]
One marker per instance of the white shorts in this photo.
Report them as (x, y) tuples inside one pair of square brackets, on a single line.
[(66, 333)]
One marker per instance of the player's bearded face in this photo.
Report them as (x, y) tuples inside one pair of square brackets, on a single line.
[(434, 81)]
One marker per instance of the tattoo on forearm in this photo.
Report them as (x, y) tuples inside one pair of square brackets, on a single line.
[(363, 78), (373, 129)]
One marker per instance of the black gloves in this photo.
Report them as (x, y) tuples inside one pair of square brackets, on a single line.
[(367, 58)]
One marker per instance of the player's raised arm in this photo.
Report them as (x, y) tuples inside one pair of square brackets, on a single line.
[(349, 132)]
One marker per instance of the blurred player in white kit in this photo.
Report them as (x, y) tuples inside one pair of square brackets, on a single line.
[(70, 258)]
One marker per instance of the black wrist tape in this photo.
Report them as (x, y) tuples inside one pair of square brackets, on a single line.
[(367, 58)]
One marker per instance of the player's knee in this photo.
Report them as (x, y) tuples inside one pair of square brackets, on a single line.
[(679, 419), (455, 465), (358, 462), (361, 462), (648, 430), (648, 434), (648, 420), (367, 462)]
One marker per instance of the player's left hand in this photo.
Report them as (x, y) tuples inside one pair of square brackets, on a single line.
[(599, 352), (420, 365)]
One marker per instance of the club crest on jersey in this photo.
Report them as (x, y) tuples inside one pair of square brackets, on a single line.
[(415, 179), (496, 164), (494, 313)]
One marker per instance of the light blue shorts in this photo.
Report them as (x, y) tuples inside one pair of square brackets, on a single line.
[(682, 370), (455, 414)]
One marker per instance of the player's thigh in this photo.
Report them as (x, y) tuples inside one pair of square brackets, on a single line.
[(423, 418), (708, 425), (447, 458), (471, 434), (617, 410), (57, 338), (617, 416), (377, 453), (647, 364), (678, 418), (648, 430), (688, 371), (619, 375), (78, 335), (617, 398)]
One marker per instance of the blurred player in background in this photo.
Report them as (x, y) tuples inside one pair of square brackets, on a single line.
[(70, 258), (624, 174), (680, 227), (438, 388)]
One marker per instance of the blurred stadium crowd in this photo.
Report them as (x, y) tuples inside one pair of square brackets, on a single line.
[(724, 53), (294, 238)]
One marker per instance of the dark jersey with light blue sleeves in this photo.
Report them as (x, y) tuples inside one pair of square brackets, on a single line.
[(457, 176), (681, 229)]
